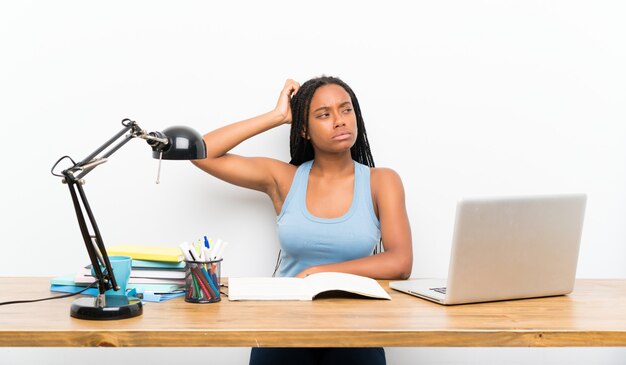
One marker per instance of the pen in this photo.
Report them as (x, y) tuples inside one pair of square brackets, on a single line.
[(201, 256), (214, 276), (210, 282), (195, 288), (196, 248), (193, 257), (220, 250), (214, 246), (184, 247), (207, 254)]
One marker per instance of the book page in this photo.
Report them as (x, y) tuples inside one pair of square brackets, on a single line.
[(267, 289), (325, 281)]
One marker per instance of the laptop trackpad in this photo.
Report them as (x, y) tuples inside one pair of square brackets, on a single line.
[(433, 288)]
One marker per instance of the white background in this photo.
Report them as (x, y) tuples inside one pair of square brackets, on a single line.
[(461, 98)]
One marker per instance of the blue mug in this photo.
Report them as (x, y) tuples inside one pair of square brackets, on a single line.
[(121, 266)]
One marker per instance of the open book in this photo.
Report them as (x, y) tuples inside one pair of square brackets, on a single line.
[(303, 288)]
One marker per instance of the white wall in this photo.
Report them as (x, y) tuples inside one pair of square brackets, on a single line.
[(460, 97)]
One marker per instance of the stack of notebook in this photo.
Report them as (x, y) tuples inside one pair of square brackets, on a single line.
[(158, 273)]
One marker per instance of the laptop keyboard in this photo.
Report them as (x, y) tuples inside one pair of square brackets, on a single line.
[(439, 290)]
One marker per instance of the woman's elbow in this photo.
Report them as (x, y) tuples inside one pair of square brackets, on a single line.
[(403, 267), (405, 272)]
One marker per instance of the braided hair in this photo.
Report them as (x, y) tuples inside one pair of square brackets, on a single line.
[(301, 148)]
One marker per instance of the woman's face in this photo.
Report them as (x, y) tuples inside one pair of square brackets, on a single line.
[(332, 121)]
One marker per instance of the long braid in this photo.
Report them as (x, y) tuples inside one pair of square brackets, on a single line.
[(300, 148)]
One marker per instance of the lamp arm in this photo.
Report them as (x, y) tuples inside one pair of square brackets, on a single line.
[(96, 250), (127, 123), (154, 139)]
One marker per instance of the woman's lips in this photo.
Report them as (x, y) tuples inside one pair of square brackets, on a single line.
[(342, 136)]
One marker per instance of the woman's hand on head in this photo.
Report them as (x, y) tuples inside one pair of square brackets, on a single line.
[(283, 106)]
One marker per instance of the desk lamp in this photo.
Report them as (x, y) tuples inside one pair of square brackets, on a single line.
[(174, 143)]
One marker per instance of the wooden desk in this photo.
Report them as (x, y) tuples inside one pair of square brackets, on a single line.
[(593, 315)]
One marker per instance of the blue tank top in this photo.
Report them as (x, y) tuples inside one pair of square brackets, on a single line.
[(307, 240)]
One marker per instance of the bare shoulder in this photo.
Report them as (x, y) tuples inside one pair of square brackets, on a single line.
[(280, 169), (274, 163), (384, 176), (387, 190)]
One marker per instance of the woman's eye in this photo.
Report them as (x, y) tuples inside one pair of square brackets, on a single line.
[(325, 115), (347, 110)]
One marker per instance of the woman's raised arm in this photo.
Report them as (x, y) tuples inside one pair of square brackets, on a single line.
[(251, 172)]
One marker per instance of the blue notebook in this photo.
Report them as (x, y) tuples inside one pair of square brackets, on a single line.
[(147, 296), (158, 264)]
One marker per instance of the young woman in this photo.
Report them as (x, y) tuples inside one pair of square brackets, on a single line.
[(333, 206)]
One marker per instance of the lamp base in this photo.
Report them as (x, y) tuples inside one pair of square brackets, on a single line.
[(116, 307)]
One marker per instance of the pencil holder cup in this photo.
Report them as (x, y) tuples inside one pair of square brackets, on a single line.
[(202, 281)]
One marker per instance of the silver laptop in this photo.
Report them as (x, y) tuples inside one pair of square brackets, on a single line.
[(508, 248)]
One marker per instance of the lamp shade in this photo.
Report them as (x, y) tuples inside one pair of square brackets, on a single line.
[(184, 143)]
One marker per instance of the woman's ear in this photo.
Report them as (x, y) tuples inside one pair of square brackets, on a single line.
[(304, 134)]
